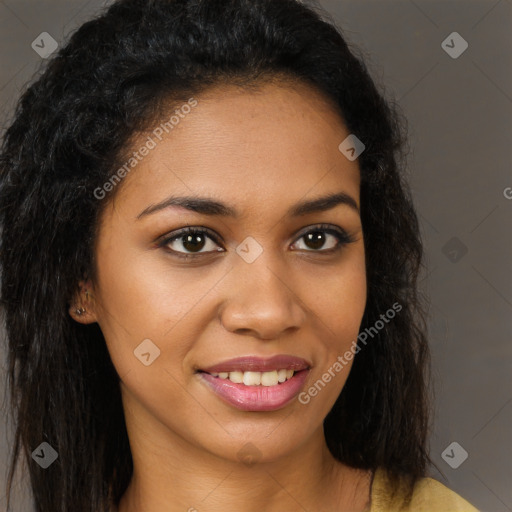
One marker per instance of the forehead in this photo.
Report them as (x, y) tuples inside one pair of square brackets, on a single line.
[(276, 142)]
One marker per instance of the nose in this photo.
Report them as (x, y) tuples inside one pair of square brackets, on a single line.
[(261, 301)]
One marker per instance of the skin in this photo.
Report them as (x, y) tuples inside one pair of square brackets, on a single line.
[(260, 152)]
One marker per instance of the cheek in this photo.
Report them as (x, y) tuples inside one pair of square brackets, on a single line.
[(140, 298), (350, 306), (340, 301), (340, 307)]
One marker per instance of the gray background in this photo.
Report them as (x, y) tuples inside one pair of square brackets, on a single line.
[(459, 113)]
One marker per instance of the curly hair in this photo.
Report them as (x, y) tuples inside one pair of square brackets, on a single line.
[(115, 76)]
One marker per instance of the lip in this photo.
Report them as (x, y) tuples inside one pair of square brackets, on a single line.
[(256, 398), (259, 364)]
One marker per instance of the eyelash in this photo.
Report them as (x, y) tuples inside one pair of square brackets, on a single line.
[(342, 237)]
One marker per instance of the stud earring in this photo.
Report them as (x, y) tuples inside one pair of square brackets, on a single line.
[(80, 311)]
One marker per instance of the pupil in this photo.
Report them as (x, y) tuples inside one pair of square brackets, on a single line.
[(317, 239), (191, 241)]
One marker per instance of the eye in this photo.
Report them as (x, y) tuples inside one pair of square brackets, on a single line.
[(191, 239), (315, 238)]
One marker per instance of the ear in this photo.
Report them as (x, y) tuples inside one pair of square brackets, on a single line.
[(82, 308)]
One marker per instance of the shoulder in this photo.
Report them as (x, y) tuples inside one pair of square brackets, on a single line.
[(428, 495)]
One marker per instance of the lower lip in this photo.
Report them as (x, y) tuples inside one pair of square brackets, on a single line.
[(256, 398)]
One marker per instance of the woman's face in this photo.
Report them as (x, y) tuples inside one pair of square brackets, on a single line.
[(263, 281)]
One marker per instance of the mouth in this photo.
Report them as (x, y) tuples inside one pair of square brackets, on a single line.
[(256, 384)]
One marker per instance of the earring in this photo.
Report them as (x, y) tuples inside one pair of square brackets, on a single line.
[(81, 310)]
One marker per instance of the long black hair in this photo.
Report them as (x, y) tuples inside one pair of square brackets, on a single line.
[(119, 73)]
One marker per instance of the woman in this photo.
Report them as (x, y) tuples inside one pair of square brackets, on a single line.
[(209, 264)]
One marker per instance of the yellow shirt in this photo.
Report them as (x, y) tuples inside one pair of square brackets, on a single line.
[(429, 495)]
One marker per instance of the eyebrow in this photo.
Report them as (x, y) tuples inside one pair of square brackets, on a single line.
[(207, 206)]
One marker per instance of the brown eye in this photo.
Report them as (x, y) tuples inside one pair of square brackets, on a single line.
[(190, 242), (315, 239), (193, 243)]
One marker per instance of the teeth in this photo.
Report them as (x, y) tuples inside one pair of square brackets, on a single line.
[(269, 378), (256, 378), (236, 377), (281, 375), (252, 378)]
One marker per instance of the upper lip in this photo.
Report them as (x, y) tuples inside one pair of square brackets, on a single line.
[(259, 364)]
